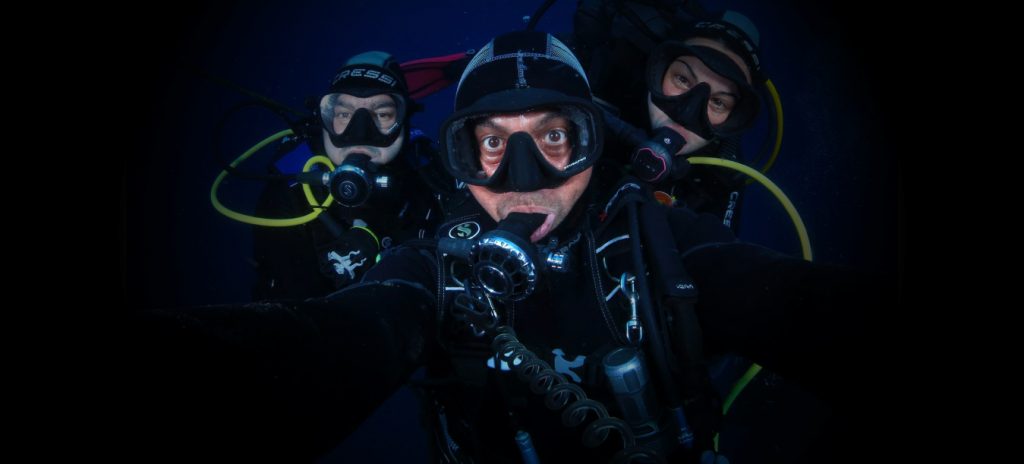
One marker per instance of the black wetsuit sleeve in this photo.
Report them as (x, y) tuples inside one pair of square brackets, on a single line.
[(691, 229), (282, 382), (286, 263), (807, 321), (404, 263)]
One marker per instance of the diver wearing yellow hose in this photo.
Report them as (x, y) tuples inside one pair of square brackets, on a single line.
[(375, 181), (699, 97), (644, 66)]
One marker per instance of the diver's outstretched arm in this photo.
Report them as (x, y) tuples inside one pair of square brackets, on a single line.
[(816, 324), (273, 381)]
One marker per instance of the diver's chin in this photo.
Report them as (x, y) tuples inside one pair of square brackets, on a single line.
[(545, 228)]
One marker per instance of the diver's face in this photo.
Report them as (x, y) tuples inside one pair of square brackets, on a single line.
[(685, 73), (384, 114), (549, 131)]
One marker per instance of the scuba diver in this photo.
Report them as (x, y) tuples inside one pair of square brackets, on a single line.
[(613, 40), (557, 323), (385, 188), (679, 48), (699, 95)]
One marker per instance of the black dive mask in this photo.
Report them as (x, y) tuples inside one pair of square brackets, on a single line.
[(514, 74), (505, 265), (690, 108), (523, 166), (358, 181), (347, 126)]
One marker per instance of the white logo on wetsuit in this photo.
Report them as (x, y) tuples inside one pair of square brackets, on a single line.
[(465, 230), (562, 365), (565, 366), (343, 264)]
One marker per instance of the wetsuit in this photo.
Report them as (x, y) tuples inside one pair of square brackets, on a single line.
[(311, 371)]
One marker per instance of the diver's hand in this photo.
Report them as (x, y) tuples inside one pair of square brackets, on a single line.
[(346, 259)]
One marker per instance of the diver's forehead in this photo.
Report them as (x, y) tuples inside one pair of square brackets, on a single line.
[(718, 46), (522, 119), (372, 101)]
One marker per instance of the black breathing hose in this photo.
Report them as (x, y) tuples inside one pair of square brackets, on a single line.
[(646, 310), (560, 393)]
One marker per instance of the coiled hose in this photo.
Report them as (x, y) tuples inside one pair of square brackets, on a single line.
[(559, 393)]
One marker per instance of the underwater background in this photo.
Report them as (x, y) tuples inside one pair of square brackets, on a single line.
[(836, 163)]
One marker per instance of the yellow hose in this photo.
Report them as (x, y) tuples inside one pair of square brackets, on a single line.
[(805, 243), (259, 221), (778, 117), (801, 230), (305, 187)]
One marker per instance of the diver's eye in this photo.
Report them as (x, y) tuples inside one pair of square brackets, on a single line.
[(492, 150), (678, 79), (681, 81), (342, 114), (492, 144), (720, 107), (555, 137)]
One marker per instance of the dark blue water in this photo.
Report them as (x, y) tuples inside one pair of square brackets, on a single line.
[(834, 164)]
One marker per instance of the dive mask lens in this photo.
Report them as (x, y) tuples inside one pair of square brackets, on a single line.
[(675, 79), (484, 150), (343, 112)]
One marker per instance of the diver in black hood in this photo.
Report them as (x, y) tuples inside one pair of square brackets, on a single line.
[(692, 87), (384, 187), (699, 97)]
